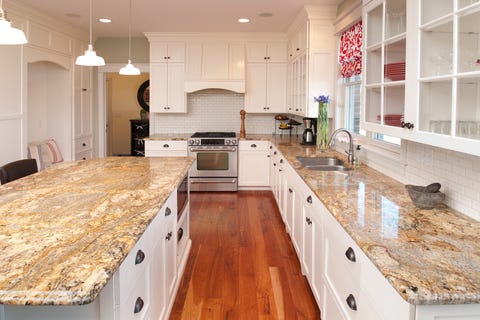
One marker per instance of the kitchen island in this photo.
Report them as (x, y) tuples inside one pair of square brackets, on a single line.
[(430, 257), (66, 230)]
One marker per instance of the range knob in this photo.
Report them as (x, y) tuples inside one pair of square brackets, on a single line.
[(191, 142), (228, 142), (197, 142)]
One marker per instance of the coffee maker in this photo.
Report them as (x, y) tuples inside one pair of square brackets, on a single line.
[(309, 136)]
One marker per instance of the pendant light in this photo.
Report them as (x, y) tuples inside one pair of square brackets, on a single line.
[(130, 69), (90, 57), (8, 34)]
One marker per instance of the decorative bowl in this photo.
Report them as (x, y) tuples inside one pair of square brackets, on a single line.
[(424, 199)]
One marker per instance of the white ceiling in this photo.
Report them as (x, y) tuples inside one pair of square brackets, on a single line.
[(175, 15)]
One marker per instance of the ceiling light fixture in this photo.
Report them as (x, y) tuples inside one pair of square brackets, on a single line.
[(8, 34), (243, 20), (130, 69), (90, 57)]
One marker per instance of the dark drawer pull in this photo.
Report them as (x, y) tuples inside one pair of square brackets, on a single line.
[(179, 234), (168, 212), (169, 236), (139, 257), (166, 146), (308, 220), (274, 152), (350, 254), (290, 190), (281, 160), (253, 145), (138, 305), (309, 199), (352, 304), (84, 144)]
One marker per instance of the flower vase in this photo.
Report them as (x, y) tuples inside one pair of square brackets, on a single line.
[(322, 127)]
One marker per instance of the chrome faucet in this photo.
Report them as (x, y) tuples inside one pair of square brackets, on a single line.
[(350, 152)]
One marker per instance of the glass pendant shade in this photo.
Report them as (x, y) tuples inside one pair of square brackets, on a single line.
[(8, 34), (90, 58), (129, 70)]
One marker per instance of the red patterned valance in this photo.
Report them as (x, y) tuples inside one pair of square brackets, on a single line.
[(350, 55)]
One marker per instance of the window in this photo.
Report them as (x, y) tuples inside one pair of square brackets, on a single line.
[(351, 87)]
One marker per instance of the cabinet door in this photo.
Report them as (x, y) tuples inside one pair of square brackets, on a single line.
[(236, 67), (256, 52), (163, 51), (176, 88), (170, 258), (256, 87), (253, 168), (277, 52), (158, 87), (215, 60), (276, 87)]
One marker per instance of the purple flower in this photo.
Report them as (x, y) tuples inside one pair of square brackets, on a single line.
[(322, 99)]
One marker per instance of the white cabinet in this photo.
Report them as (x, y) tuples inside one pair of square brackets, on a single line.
[(437, 96), (83, 134), (312, 68), (167, 77), (266, 79), (253, 163), (166, 148)]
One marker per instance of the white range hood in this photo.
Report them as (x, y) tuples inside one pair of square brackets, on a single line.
[(231, 85)]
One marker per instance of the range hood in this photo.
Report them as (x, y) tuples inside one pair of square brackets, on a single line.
[(231, 85)]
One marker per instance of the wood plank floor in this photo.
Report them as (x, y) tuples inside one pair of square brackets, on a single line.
[(242, 264)]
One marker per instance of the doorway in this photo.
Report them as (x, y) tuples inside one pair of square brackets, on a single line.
[(117, 105)]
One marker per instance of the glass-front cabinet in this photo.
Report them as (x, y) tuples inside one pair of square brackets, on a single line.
[(422, 71), (384, 41)]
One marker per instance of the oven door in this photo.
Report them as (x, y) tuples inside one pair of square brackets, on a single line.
[(214, 161)]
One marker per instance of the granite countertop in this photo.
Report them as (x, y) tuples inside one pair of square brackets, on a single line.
[(428, 256), (64, 231), (169, 136)]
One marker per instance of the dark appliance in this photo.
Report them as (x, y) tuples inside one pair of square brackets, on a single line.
[(309, 136), (216, 166), (139, 129)]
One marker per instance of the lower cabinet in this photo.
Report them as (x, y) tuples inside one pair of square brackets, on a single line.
[(253, 163), (166, 148)]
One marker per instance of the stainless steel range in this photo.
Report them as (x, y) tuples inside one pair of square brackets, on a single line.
[(216, 168)]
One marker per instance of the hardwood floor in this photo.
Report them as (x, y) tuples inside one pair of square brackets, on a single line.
[(242, 264)]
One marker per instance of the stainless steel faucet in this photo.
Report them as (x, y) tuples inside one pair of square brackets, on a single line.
[(350, 152)]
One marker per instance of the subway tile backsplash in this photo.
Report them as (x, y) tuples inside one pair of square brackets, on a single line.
[(212, 110)]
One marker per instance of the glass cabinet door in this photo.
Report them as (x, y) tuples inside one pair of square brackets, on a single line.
[(449, 69), (384, 62)]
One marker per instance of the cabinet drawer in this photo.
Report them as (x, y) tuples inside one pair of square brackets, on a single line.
[(85, 155), (166, 145), (135, 305), (253, 145), (82, 144)]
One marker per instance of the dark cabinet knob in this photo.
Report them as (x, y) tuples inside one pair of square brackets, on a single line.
[(270, 147), (274, 164), (84, 89), (179, 234), (169, 236), (352, 304), (138, 305), (253, 145), (84, 158), (281, 160), (275, 152), (168, 212), (166, 145), (309, 221), (139, 257), (350, 254), (290, 190), (407, 125), (298, 49), (309, 199), (84, 144)]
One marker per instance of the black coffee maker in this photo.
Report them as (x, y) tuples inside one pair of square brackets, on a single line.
[(309, 136)]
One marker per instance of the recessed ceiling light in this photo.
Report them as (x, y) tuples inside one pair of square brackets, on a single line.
[(265, 14), (104, 20), (243, 20)]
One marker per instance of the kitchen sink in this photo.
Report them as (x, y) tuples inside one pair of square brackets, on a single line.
[(323, 163)]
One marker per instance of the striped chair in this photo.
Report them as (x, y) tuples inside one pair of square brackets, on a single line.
[(46, 153)]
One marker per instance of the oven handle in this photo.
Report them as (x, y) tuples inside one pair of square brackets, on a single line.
[(213, 181), (216, 150)]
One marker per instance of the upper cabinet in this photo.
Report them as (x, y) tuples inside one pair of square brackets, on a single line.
[(167, 77), (422, 71), (312, 59), (266, 80)]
